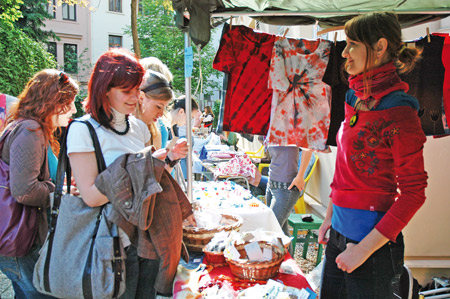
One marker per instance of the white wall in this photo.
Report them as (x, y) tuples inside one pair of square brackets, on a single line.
[(105, 23)]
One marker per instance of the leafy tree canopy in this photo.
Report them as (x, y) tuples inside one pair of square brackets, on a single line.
[(159, 37), (21, 58), (34, 13), (10, 11)]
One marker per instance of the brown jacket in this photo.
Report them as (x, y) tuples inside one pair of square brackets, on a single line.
[(25, 151), (150, 207)]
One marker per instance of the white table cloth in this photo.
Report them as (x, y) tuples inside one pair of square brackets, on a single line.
[(231, 198)]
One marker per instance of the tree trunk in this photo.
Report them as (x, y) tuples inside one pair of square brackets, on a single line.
[(134, 32)]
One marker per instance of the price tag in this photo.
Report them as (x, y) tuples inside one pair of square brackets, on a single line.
[(254, 252)]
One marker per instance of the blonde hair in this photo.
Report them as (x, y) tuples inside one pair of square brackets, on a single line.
[(154, 64)]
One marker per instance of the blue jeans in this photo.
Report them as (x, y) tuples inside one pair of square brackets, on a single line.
[(374, 279), (20, 271), (140, 276), (282, 201)]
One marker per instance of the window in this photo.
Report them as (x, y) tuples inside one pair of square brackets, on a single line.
[(115, 5), (69, 12), (51, 48), (51, 8), (70, 58), (115, 41)]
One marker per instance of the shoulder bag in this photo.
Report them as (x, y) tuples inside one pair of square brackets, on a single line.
[(18, 222), (82, 256)]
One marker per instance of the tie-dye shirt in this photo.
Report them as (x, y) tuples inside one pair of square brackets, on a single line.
[(300, 113), (245, 55)]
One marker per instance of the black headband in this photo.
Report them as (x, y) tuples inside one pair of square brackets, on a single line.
[(157, 85)]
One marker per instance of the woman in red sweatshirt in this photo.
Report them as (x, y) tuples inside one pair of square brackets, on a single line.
[(379, 181)]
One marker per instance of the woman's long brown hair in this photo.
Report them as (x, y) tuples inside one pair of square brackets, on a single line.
[(48, 93)]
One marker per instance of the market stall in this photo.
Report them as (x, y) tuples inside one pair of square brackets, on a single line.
[(201, 13)]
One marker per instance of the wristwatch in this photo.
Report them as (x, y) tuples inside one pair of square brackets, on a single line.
[(170, 162)]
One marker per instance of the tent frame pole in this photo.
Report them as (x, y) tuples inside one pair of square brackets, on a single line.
[(188, 110)]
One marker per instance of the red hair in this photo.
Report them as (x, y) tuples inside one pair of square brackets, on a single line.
[(44, 96), (117, 68)]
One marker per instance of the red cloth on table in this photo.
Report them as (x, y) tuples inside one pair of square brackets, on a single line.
[(297, 281)]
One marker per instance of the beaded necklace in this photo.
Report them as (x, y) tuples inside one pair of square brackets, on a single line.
[(127, 122)]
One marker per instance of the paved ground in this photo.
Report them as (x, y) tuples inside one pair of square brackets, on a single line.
[(6, 290)]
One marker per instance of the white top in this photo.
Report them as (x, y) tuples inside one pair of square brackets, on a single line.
[(113, 145)]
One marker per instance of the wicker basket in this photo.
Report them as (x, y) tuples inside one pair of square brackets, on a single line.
[(257, 270), (196, 238), (215, 259)]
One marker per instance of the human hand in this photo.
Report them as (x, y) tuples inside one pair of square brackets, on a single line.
[(299, 182), (160, 154), (191, 220), (73, 187), (179, 151), (323, 229), (351, 258)]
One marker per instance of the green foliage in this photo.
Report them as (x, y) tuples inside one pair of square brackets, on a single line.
[(216, 111), (20, 59), (159, 37), (79, 98), (34, 13), (10, 11)]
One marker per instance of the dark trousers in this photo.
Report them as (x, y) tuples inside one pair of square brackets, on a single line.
[(140, 276), (374, 279)]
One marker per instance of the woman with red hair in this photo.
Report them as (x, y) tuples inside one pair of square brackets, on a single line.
[(46, 103), (113, 95)]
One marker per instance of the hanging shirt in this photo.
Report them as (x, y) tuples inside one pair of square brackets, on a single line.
[(300, 112), (426, 82), (339, 85), (245, 56)]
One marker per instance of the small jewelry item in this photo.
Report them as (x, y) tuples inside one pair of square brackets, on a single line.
[(354, 118), (127, 122)]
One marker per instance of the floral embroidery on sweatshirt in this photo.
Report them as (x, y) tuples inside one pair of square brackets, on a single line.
[(369, 138)]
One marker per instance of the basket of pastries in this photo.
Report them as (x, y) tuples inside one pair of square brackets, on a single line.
[(254, 257), (208, 224)]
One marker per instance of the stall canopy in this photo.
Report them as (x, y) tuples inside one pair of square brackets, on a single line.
[(199, 16)]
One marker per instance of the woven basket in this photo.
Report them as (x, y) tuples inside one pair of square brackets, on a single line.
[(196, 238), (215, 259), (257, 270)]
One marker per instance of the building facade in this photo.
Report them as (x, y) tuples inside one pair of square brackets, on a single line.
[(85, 32)]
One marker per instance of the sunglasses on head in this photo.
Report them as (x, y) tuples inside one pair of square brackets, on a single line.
[(63, 78)]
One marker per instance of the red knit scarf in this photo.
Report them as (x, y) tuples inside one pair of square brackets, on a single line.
[(384, 81)]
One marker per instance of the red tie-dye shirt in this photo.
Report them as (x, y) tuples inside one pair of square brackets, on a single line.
[(245, 56)]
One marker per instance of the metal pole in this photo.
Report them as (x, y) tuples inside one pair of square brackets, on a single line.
[(188, 109)]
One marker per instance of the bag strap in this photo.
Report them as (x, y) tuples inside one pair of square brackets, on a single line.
[(64, 167)]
